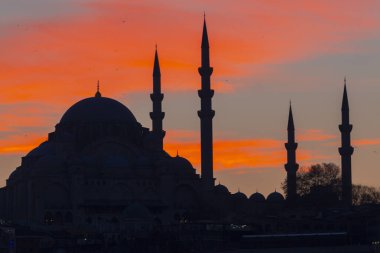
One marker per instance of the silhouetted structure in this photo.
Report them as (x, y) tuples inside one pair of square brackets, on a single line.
[(346, 150), (291, 166), (102, 174), (206, 113), (157, 115)]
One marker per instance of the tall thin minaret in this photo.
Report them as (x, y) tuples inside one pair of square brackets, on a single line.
[(206, 113), (157, 115), (291, 166), (346, 150)]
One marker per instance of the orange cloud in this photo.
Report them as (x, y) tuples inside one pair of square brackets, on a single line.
[(20, 144), (114, 41), (233, 153), (366, 142), (315, 135)]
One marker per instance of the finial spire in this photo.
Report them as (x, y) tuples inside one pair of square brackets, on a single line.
[(156, 67), (290, 119), (177, 153), (345, 106), (205, 43), (98, 94)]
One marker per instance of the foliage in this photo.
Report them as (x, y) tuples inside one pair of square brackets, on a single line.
[(321, 183), (362, 194)]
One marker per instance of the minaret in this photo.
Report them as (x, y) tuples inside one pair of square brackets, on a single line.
[(157, 115), (346, 150), (291, 166), (206, 113)]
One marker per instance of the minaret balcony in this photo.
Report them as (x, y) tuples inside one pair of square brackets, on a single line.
[(291, 167), (157, 115), (291, 146), (205, 71), (346, 151), (206, 93), (206, 114), (157, 97), (345, 128)]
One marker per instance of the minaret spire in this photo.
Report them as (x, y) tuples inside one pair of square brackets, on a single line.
[(291, 166), (157, 115), (205, 45), (346, 150), (206, 113), (290, 119)]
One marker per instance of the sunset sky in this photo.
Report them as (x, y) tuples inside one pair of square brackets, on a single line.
[(264, 53)]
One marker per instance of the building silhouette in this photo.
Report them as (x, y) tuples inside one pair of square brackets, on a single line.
[(101, 170)]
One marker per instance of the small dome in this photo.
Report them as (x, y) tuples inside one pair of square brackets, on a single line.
[(239, 195), (275, 197), (98, 110), (257, 197), (221, 189), (181, 164), (17, 173)]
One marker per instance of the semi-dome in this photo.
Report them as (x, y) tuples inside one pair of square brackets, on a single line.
[(275, 197), (257, 197), (97, 110), (44, 148)]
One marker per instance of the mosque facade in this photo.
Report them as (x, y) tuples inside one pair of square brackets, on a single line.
[(102, 169)]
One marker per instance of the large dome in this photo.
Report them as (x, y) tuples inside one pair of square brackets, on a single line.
[(96, 110)]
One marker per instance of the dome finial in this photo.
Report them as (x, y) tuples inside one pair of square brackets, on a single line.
[(177, 153), (97, 94)]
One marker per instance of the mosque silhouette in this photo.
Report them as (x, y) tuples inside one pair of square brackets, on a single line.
[(102, 171)]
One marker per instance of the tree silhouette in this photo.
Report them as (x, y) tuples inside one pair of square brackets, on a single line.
[(362, 194), (321, 184)]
